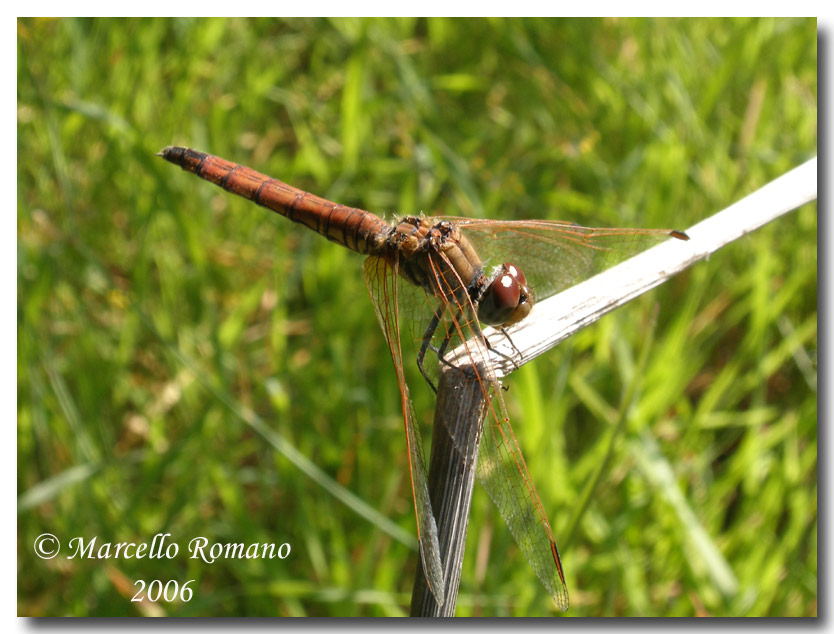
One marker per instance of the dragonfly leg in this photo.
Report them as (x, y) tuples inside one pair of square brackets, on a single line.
[(501, 354), (441, 351), (510, 339), (427, 337), (427, 345)]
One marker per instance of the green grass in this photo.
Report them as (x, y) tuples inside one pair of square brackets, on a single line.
[(177, 345)]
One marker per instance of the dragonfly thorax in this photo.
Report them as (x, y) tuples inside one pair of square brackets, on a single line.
[(506, 298), (438, 257)]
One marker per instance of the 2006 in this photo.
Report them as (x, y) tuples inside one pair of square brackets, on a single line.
[(157, 591)]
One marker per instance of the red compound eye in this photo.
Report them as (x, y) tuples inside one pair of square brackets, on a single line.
[(515, 272), (507, 299)]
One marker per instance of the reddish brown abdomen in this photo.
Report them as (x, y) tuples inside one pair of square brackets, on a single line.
[(353, 228)]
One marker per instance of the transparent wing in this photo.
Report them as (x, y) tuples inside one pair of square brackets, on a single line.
[(503, 474), (555, 255), (384, 286), (501, 468)]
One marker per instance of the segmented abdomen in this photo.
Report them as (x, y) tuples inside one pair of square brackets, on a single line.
[(353, 228)]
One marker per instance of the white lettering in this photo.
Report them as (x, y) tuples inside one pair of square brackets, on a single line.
[(158, 547), (200, 549), (234, 551), (196, 546), (80, 549)]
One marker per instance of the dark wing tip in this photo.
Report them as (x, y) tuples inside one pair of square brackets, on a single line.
[(680, 235), (562, 600)]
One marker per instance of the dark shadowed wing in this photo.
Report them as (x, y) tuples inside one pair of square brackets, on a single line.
[(501, 468), (385, 286)]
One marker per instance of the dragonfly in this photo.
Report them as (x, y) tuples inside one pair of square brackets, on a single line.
[(436, 283)]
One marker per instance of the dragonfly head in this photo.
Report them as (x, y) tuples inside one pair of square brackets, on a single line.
[(507, 299)]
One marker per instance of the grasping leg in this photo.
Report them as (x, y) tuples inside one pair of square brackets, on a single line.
[(428, 335)]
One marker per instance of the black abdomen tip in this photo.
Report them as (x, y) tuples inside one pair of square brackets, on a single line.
[(172, 154)]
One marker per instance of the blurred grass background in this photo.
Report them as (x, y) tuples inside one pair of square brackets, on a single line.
[(177, 345)]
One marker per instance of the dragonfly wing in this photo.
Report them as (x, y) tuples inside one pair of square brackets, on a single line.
[(555, 255), (503, 473), (501, 468), (383, 284)]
